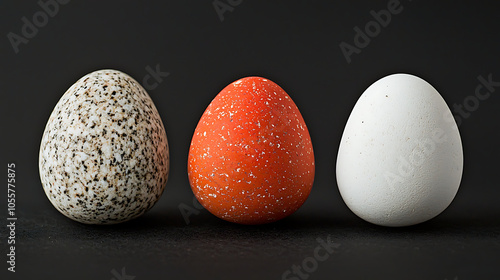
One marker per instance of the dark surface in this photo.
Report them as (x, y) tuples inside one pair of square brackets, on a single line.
[(295, 44)]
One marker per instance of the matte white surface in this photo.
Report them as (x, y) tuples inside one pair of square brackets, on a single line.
[(400, 159)]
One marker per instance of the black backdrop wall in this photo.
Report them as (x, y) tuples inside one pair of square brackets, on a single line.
[(205, 45)]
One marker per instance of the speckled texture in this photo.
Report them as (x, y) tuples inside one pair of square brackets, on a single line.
[(104, 154), (251, 159)]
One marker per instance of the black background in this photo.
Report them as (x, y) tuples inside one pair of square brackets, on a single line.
[(295, 44)]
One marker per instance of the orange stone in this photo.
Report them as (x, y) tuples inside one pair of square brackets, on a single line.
[(251, 159)]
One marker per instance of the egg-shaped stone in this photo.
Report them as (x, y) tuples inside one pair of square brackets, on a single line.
[(251, 159), (104, 156), (400, 159)]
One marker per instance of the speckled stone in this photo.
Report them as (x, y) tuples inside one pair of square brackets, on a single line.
[(104, 155)]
